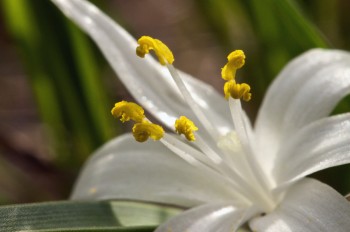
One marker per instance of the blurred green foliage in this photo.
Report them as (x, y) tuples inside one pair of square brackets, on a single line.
[(272, 32), (65, 75)]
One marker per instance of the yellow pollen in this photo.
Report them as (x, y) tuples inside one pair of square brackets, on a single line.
[(185, 126), (142, 131), (147, 43), (237, 91), (236, 60), (128, 111)]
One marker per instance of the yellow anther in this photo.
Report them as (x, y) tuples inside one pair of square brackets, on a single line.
[(147, 43), (185, 126), (142, 131), (128, 111), (236, 60), (237, 91)]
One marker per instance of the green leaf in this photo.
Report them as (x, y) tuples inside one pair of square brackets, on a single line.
[(84, 216)]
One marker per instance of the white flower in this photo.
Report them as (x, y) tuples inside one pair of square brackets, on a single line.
[(228, 176)]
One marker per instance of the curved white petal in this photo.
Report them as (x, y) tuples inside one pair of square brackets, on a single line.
[(307, 89), (149, 82), (219, 217), (126, 169), (323, 144), (309, 206)]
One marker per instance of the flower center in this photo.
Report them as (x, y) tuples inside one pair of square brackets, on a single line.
[(231, 156)]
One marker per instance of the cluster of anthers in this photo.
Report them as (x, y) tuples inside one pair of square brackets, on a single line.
[(143, 128), (202, 154)]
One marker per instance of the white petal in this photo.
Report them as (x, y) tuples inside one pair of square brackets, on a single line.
[(309, 206), (220, 217), (125, 169), (322, 144), (149, 82), (307, 89)]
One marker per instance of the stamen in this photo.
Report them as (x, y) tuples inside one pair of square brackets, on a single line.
[(236, 60), (166, 57), (147, 43), (142, 131), (185, 126), (237, 91), (242, 132), (128, 111)]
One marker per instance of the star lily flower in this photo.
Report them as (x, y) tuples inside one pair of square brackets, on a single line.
[(227, 173)]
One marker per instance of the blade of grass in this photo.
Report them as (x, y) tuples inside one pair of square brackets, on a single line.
[(84, 216), (304, 32)]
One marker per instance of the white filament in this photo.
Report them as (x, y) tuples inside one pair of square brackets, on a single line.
[(192, 103)]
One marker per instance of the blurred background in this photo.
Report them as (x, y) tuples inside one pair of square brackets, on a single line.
[(56, 90)]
